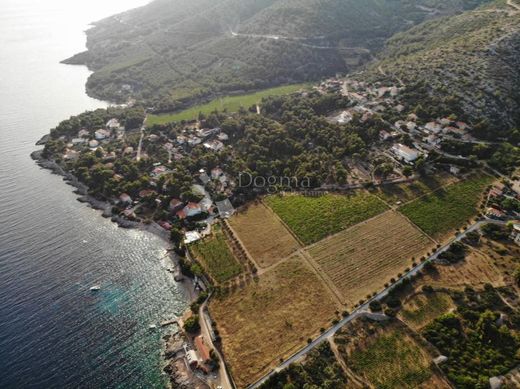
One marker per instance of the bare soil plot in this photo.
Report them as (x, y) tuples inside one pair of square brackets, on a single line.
[(263, 235), (420, 309), (360, 260), (388, 355), (271, 318)]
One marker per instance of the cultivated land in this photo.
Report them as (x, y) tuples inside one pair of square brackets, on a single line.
[(386, 355), (314, 218), (361, 259), (265, 238), (409, 191), (447, 209), (229, 103), (422, 308), (271, 318), (214, 254)]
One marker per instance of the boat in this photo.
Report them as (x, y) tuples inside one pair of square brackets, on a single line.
[(152, 327), (95, 288)]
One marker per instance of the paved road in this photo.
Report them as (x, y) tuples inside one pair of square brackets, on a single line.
[(365, 307)]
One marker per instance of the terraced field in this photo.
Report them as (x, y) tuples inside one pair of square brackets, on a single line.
[(314, 218), (263, 235), (361, 259), (448, 209)]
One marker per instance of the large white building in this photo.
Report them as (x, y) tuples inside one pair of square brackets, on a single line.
[(405, 152)]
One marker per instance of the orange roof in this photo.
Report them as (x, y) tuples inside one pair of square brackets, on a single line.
[(202, 348)]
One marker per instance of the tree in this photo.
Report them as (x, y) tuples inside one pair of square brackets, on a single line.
[(192, 325), (407, 171)]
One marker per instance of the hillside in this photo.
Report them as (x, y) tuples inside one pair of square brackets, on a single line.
[(467, 62), (172, 52)]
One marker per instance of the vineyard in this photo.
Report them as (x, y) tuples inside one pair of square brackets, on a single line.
[(265, 238), (360, 260), (215, 256), (314, 218), (448, 209), (422, 308)]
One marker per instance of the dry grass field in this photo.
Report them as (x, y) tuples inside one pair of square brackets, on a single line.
[(271, 318), (476, 270), (361, 259), (387, 355), (420, 309), (263, 235)]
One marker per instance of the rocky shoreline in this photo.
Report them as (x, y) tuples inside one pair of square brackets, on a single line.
[(178, 373)]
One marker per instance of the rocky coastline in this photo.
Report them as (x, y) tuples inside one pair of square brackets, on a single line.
[(178, 374)]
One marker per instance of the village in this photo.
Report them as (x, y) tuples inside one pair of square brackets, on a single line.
[(202, 211)]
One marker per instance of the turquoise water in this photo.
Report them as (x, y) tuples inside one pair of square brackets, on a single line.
[(54, 332)]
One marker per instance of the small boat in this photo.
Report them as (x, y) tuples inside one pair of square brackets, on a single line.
[(152, 327), (95, 288)]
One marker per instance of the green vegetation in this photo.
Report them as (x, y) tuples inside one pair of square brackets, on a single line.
[(477, 346), (424, 307), (216, 257), (447, 209), (314, 218), (320, 369), (192, 324), (391, 361), (175, 53), (226, 103)]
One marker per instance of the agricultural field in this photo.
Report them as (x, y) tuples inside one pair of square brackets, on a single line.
[(271, 318), (476, 270), (314, 218), (420, 309), (361, 259), (263, 235), (229, 103), (448, 209), (386, 355), (215, 256), (409, 191)]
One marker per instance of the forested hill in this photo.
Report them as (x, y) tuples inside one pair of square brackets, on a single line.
[(172, 52), (468, 61)]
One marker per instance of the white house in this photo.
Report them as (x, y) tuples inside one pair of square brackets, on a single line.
[(93, 144), (216, 173), (192, 209), (214, 145), (405, 152), (113, 124), (102, 134), (433, 127), (83, 133)]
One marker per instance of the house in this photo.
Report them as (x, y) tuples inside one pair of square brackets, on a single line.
[(93, 144), (175, 205), (83, 133), (225, 208), (113, 124), (433, 127), (432, 139), (204, 133), (222, 137), (192, 209), (181, 139), (102, 134), (462, 125), (206, 204), (214, 145), (384, 135), (157, 171), (164, 224), (399, 108), (192, 359), (412, 117), (495, 213), (204, 178), (216, 173), (125, 199), (203, 349), (153, 138), (147, 193), (71, 155), (128, 150), (405, 152), (191, 236), (440, 359), (411, 125), (394, 91), (78, 141), (193, 141), (455, 170), (445, 122)]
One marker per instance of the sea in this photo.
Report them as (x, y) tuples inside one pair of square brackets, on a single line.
[(55, 332)]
